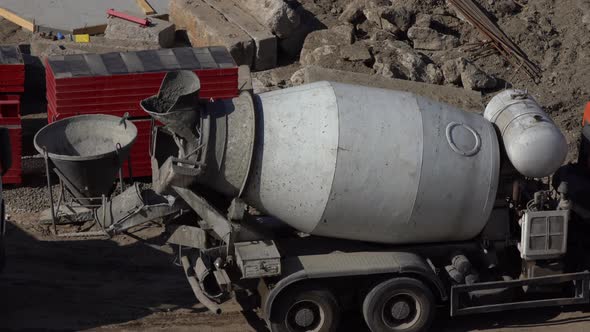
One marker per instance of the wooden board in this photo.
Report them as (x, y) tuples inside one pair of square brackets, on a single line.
[(145, 7), (12, 17), (94, 30)]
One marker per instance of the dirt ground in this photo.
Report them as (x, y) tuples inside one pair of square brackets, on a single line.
[(52, 283)]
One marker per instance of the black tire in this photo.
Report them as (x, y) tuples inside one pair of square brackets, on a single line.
[(303, 301), (2, 254), (399, 305)]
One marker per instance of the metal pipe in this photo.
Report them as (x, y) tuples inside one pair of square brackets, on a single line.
[(53, 216), (203, 299)]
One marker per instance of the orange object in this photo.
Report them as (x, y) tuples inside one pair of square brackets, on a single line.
[(586, 118)]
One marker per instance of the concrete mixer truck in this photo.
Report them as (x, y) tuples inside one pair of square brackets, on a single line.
[(312, 200)]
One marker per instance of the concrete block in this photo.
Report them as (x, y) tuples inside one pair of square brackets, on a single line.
[(274, 14), (266, 43), (205, 26), (470, 101), (160, 32)]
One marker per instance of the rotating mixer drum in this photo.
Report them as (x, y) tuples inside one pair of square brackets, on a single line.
[(370, 164), (355, 162)]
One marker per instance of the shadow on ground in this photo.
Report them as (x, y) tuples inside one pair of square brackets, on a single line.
[(82, 284)]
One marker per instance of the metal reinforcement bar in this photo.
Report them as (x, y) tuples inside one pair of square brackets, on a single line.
[(499, 39)]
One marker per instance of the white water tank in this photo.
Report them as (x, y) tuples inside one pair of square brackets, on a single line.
[(533, 143), (370, 164)]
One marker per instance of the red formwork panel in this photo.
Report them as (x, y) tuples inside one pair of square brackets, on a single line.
[(14, 174), (102, 97), (12, 70), (138, 86), (10, 110), (140, 154), (12, 88)]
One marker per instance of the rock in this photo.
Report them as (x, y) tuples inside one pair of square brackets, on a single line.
[(423, 20), (376, 16), (276, 15), (298, 77), (429, 39), (353, 12), (259, 87), (345, 32), (433, 74), (205, 26), (322, 44), (160, 32), (399, 16), (379, 35), (319, 55), (451, 72), (506, 7), (584, 7), (399, 60), (474, 78), (356, 52), (292, 45)]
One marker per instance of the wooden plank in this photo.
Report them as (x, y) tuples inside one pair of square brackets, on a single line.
[(12, 17), (94, 30), (145, 7)]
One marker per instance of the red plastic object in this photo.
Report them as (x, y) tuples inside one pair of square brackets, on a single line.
[(586, 117), (10, 118), (141, 21)]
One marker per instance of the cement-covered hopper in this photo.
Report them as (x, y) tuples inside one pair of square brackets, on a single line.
[(87, 151)]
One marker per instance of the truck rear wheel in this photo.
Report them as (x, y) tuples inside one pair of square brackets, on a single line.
[(306, 310), (400, 305)]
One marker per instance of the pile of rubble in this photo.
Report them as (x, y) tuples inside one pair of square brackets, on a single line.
[(397, 39)]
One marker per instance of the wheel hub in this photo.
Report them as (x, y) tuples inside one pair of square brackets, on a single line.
[(304, 317), (400, 310)]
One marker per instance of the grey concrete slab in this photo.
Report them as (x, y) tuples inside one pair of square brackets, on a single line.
[(69, 15), (205, 26), (266, 43), (159, 32)]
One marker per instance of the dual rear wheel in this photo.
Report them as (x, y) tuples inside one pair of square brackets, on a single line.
[(394, 305)]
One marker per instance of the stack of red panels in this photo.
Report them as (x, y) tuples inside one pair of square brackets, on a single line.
[(115, 83), (12, 70), (12, 80), (10, 118)]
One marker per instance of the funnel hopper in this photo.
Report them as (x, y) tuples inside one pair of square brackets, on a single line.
[(87, 151), (175, 105)]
